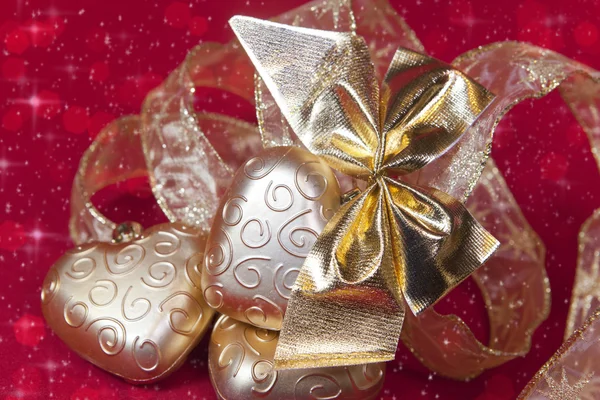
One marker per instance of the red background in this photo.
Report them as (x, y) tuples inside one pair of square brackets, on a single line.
[(68, 67)]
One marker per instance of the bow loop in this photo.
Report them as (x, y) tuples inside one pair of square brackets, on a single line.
[(325, 85), (393, 243), (436, 242), (360, 239), (349, 279), (426, 105), (419, 208)]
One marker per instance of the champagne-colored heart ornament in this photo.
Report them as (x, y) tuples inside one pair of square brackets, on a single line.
[(134, 309), (268, 220), (240, 364)]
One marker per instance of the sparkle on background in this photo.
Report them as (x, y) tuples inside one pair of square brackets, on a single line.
[(67, 68)]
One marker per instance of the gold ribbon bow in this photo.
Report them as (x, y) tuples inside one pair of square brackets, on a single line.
[(393, 242)]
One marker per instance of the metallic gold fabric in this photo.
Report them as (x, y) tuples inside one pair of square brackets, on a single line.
[(375, 20), (513, 71), (394, 242), (513, 283)]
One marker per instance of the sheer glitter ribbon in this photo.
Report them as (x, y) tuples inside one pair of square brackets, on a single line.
[(585, 298), (175, 141), (573, 372), (98, 169), (583, 95)]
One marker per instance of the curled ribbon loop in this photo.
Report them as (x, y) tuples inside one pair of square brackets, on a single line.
[(585, 298), (104, 163), (190, 158), (573, 371), (395, 242), (178, 149)]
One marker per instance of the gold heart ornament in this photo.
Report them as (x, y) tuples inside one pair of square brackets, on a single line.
[(240, 364), (134, 309), (268, 220)]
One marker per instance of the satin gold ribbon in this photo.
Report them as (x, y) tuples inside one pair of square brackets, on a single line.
[(394, 242)]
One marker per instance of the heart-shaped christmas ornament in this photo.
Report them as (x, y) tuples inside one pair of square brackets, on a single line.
[(134, 309), (268, 220), (240, 364)]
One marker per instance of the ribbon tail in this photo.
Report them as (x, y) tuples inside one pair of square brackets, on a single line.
[(360, 334), (345, 307)]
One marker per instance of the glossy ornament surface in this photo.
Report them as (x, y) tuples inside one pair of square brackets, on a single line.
[(240, 364), (269, 219), (133, 309)]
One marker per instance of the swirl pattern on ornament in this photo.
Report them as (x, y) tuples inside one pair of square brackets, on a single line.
[(82, 268), (103, 293), (100, 300), (240, 364), (268, 220)]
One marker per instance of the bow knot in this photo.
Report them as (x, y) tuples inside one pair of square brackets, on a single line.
[(394, 243)]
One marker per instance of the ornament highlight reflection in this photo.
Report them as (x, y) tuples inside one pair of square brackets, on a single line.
[(131, 309)]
